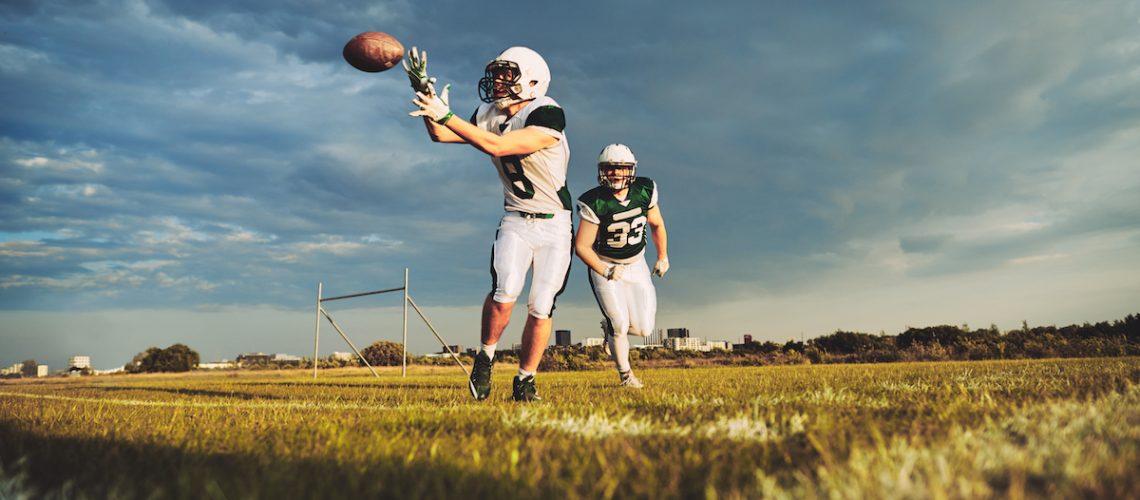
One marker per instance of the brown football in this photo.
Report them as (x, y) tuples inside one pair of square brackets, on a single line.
[(373, 51)]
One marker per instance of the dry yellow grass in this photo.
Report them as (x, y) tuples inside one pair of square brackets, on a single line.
[(943, 430)]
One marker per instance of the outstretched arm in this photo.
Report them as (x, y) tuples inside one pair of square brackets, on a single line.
[(519, 142), (444, 126), (660, 240), (440, 133)]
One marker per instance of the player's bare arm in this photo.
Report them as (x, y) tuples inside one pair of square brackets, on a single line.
[(584, 247), (518, 142), (660, 240), (440, 133), (444, 126)]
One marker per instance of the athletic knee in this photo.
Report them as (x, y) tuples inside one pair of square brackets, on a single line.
[(541, 306), (621, 328), (539, 310), (503, 296)]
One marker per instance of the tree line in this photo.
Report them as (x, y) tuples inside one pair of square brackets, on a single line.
[(934, 343), (946, 342)]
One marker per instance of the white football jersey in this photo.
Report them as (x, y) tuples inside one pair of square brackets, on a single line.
[(533, 183)]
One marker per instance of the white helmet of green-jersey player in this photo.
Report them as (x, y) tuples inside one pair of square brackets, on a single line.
[(616, 167), (507, 79)]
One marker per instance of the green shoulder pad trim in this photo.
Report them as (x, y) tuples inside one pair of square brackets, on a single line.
[(549, 116)]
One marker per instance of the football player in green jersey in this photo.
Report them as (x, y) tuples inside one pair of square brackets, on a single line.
[(613, 220), (522, 130)]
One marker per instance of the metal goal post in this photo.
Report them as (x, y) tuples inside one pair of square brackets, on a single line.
[(407, 301)]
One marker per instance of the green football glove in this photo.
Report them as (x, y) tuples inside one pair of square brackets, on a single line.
[(415, 65)]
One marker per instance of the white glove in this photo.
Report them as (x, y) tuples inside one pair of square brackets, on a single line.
[(415, 65), (614, 272), (661, 267), (433, 106)]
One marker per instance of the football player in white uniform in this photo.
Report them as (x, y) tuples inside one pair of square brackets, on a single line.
[(613, 219), (522, 129)]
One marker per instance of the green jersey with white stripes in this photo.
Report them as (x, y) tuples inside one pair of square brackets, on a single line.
[(621, 223)]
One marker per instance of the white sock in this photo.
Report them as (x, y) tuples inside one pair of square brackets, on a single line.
[(619, 347), (524, 374), (489, 350)]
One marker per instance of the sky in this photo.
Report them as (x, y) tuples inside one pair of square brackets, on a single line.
[(190, 171)]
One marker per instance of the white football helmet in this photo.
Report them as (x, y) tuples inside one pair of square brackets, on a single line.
[(507, 79), (616, 167)]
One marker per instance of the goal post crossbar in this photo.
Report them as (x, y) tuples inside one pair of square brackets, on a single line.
[(361, 294), (407, 300)]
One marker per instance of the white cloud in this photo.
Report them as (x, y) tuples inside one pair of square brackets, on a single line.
[(1035, 259), (1096, 173), (61, 166), (17, 59), (237, 234), (338, 245), (144, 265), (65, 192), (171, 232), (19, 249), (166, 281)]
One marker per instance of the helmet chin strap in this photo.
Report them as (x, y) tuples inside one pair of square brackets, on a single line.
[(505, 103)]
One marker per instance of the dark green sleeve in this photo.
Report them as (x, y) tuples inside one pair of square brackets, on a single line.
[(549, 116)]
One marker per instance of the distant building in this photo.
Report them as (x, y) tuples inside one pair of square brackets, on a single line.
[(41, 370), (259, 358), (683, 343), (457, 348), (217, 365), (79, 362), (15, 369), (695, 344), (745, 344), (657, 337), (593, 341), (343, 356), (678, 333), (719, 344), (562, 338), (278, 358)]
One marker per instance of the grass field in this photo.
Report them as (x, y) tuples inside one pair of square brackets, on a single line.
[(1054, 428)]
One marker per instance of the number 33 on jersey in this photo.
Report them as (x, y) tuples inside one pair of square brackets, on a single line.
[(621, 223)]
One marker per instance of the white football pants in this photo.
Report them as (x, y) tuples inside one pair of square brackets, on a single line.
[(630, 303), (522, 242)]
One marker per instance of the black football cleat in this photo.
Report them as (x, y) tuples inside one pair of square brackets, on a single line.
[(524, 389), (480, 383)]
